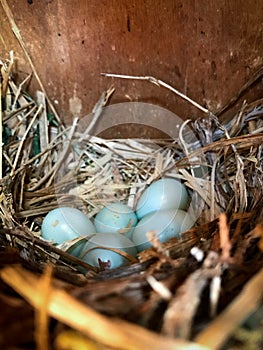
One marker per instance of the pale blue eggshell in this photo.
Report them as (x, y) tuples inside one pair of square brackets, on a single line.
[(108, 240), (65, 223), (166, 224), (115, 217), (74, 246), (163, 194)]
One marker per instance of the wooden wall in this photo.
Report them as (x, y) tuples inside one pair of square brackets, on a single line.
[(206, 49)]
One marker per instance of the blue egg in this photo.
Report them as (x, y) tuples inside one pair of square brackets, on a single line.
[(166, 224), (163, 194), (116, 218), (65, 223), (108, 258)]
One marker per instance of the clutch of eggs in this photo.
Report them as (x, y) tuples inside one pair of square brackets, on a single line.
[(68, 224), (161, 208)]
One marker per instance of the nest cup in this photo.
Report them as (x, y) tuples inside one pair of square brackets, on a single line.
[(175, 294), (138, 115)]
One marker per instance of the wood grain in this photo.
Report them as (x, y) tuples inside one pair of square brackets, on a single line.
[(206, 49)]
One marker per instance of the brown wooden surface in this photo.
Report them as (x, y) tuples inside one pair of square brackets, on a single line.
[(206, 49)]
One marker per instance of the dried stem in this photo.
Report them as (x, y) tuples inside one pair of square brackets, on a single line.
[(23, 140), (114, 333), (219, 330), (158, 82)]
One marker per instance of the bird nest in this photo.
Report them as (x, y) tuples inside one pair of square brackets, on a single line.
[(187, 293)]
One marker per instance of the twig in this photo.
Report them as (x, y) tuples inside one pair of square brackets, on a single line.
[(181, 310), (215, 288), (219, 330), (159, 288), (158, 82), (23, 140), (65, 150), (225, 243), (16, 112), (239, 120), (52, 145), (213, 199), (43, 123), (240, 179), (18, 92), (239, 141), (42, 319), (52, 172), (111, 332), (7, 70), (97, 112)]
